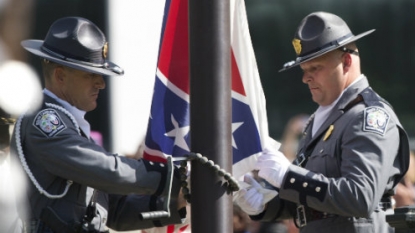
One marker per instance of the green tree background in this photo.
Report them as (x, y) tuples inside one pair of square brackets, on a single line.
[(387, 55)]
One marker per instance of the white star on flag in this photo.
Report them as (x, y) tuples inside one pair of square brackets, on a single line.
[(235, 126), (178, 134)]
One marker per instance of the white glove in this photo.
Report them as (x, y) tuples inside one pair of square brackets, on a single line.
[(272, 166), (252, 197)]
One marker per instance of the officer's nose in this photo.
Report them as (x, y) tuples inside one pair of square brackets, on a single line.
[(99, 82), (306, 77)]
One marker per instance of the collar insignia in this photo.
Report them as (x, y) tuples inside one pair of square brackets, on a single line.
[(328, 132)]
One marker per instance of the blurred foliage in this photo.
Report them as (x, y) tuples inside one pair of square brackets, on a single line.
[(387, 55)]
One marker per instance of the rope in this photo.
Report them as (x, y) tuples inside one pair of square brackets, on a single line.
[(23, 160), (232, 182)]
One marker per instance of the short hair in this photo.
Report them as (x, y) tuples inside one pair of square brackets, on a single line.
[(48, 68)]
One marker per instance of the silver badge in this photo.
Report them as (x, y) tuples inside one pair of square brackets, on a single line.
[(49, 122), (376, 120)]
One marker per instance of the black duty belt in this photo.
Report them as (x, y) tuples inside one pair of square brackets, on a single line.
[(306, 214)]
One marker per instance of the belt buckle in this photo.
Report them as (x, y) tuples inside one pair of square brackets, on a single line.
[(301, 217)]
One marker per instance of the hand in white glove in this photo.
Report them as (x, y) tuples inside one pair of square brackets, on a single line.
[(252, 197), (272, 166)]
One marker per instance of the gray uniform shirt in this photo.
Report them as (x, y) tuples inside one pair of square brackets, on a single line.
[(356, 157), (56, 151)]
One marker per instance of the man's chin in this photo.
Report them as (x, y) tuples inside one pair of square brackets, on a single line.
[(90, 108), (315, 100)]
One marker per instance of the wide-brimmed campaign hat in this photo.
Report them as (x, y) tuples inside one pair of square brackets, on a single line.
[(318, 34), (75, 42)]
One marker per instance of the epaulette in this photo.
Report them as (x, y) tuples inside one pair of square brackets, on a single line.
[(371, 98)]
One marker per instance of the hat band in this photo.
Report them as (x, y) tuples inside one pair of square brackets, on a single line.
[(327, 46), (50, 52), (106, 65)]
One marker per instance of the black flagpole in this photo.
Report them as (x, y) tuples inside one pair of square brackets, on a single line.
[(210, 113)]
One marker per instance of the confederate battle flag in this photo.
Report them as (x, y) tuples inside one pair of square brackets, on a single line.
[(168, 131)]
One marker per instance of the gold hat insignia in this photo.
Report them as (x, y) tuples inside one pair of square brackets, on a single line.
[(105, 50), (297, 46)]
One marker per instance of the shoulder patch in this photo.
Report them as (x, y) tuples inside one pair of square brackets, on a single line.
[(49, 122), (376, 120)]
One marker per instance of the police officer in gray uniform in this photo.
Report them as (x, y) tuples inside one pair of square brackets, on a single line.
[(74, 184), (353, 152)]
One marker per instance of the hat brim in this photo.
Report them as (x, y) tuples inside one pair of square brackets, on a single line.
[(34, 46), (319, 53)]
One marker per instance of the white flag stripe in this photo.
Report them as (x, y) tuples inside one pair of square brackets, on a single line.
[(246, 62), (172, 87)]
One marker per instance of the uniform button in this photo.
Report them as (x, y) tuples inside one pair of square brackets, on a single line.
[(305, 184), (161, 164), (321, 151), (292, 180), (151, 163), (318, 189)]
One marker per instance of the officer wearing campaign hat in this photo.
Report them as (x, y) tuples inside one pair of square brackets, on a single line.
[(76, 185), (320, 33), (353, 153), (75, 42)]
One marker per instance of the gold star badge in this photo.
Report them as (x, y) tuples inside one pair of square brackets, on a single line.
[(328, 132)]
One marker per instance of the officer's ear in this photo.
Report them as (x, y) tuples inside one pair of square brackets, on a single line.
[(59, 74), (346, 62)]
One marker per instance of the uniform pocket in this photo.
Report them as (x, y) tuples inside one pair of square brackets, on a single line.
[(325, 159)]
